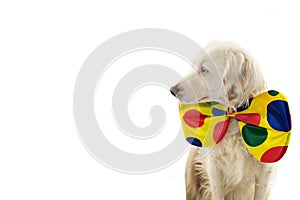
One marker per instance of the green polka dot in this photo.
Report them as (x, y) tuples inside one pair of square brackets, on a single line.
[(254, 135), (273, 92), (211, 103)]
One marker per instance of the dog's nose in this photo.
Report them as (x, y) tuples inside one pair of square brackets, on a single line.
[(174, 90), (172, 93)]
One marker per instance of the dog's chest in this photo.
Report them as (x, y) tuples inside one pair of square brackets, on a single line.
[(231, 157)]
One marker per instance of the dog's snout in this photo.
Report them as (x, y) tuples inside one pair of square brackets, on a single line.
[(174, 90)]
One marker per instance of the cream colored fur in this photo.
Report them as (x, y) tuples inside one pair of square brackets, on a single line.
[(228, 172)]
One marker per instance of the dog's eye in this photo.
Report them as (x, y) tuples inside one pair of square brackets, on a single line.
[(203, 70)]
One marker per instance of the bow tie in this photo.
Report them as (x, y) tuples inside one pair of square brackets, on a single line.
[(265, 124)]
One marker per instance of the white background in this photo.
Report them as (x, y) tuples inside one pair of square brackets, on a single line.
[(42, 47)]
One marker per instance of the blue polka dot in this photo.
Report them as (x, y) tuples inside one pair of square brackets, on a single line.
[(194, 141), (245, 106), (279, 116), (218, 112)]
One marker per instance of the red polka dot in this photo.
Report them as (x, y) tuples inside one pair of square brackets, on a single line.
[(274, 154), (220, 130), (194, 118), (253, 119)]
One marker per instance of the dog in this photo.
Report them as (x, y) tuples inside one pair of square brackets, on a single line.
[(227, 74)]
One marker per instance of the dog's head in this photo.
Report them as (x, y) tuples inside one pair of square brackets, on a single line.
[(225, 73)]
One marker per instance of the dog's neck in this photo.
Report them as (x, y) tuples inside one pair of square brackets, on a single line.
[(233, 127)]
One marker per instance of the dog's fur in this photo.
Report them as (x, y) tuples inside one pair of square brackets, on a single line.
[(228, 172)]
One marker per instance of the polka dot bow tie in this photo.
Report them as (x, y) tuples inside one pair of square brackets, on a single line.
[(265, 124)]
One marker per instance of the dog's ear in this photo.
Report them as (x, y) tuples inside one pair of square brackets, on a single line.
[(242, 78)]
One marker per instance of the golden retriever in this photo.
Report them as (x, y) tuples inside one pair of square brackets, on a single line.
[(227, 74)]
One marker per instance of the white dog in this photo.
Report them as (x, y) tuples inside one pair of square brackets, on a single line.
[(228, 75)]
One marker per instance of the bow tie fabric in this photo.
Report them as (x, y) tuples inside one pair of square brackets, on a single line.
[(265, 124)]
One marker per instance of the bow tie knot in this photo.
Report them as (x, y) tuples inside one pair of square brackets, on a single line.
[(230, 113)]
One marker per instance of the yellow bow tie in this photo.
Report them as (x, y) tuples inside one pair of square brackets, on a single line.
[(265, 124)]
